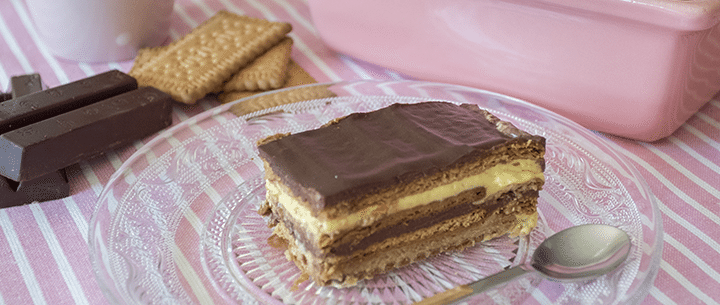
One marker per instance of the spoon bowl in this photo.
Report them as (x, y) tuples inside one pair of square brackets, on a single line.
[(581, 252), (577, 253)]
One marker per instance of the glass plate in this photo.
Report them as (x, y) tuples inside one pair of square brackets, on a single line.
[(177, 222)]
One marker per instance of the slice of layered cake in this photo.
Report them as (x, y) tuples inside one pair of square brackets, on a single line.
[(375, 191)]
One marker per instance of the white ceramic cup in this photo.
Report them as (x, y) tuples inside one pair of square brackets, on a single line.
[(100, 30)]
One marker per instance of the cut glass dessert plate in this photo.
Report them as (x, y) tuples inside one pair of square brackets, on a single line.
[(178, 223)]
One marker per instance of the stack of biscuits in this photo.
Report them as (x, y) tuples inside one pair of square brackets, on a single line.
[(229, 55)]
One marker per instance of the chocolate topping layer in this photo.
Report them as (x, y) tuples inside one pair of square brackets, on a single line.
[(367, 151)]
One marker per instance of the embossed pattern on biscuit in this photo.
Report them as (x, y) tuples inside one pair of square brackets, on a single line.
[(145, 55), (201, 61), (267, 72)]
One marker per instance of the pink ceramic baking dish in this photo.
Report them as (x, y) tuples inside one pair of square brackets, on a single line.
[(634, 68)]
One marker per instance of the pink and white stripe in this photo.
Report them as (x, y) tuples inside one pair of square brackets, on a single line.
[(44, 246)]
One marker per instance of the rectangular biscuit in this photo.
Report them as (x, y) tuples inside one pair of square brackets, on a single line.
[(297, 76), (285, 97), (202, 60), (267, 72)]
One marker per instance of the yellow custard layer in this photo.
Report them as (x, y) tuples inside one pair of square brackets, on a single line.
[(494, 180)]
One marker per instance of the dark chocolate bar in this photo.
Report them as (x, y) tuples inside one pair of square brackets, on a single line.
[(48, 187), (25, 110), (43, 147)]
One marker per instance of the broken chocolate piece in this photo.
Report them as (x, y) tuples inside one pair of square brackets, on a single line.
[(25, 110), (5, 96), (43, 147), (48, 187)]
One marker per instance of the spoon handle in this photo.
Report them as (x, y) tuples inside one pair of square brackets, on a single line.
[(479, 286)]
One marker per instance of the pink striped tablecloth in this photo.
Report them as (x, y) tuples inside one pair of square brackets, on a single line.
[(44, 249)]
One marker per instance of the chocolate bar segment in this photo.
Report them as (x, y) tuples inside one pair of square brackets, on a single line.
[(40, 148), (25, 84), (48, 187), (25, 110)]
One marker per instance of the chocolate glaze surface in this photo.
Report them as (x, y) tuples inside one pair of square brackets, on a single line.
[(367, 151)]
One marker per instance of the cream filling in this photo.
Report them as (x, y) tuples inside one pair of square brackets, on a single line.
[(494, 180)]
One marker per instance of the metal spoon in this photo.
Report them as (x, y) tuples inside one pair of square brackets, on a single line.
[(576, 253)]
